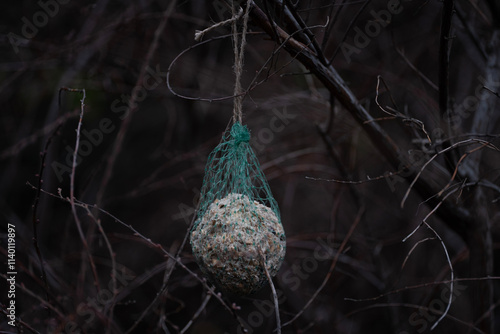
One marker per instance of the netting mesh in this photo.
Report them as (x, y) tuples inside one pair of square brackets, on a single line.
[(238, 228)]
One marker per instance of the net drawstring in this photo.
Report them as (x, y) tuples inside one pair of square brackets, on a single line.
[(240, 134)]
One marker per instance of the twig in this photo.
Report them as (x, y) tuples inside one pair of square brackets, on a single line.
[(460, 143), (413, 306), (331, 23), (481, 12), (149, 242), (473, 37), (413, 248), (452, 274), (18, 322), (332, 267), (458, 164), (198, 35), (424, 221), (170, 265), (377, 93), (348, 29), (309, 38), (416, 70), (394, 112), (368, 179), (36, 221), (197, 314), (72, 190), (273, 289), (491, 91), (46, 130), (113, 264), (444, 55), (444, 68), (170, 268), (422, 285), (132, 105), (254, 83), (42, 301), (431, 212), (488, 313), (174, 61)]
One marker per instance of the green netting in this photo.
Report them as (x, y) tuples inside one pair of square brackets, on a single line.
[(238, 227)]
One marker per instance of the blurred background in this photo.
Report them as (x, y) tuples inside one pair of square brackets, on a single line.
[(144, 145)]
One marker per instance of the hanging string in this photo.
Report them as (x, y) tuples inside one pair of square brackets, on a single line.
[(239, 48)]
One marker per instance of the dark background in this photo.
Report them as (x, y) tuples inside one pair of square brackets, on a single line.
[(146, 168)]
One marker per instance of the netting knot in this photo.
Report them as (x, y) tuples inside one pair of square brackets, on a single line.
[(240, 134)]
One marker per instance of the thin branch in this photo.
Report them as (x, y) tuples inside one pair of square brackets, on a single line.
[(331, 23), (49, 129), (455, 172), (149, 242), (444, 55), (309, 37), (452, 274), (72, 191), (416, 70), (422, 285), (113, 266), (368, 179), (254, 83), (333, 82), (413, 248), (42, 301), (451, 147), (417, 307), (18, 322), (491, 91), (332, 266), (35, 220), (394, 113), (197, 314), (168, 272), (273, 289), (473, 37), (176, 59), (346, 33), (132, 105), (377, 93), (444, 68)]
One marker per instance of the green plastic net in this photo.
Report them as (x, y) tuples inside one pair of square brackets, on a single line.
[(238, 228)]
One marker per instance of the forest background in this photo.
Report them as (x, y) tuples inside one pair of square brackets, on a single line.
[(375, 122)]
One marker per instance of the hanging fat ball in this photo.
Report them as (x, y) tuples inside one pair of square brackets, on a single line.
[(238, 228)]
